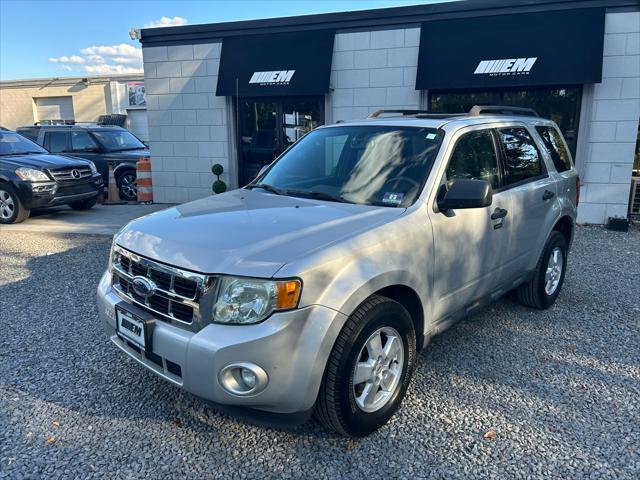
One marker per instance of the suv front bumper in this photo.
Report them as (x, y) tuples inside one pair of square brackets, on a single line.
[(291, 347)]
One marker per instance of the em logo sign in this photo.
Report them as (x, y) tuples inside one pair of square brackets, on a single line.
[(507, 66), (276, 77)]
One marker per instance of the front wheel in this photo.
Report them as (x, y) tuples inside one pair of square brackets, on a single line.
[(369, 369), (12, 210), (128, 186), (542, 290)]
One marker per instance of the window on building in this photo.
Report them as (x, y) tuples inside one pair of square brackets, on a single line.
[(555, 146), (560, 104), (81, 141), (55, 142), (474, 157), (521, 157)]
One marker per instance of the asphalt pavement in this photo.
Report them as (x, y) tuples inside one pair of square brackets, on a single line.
[(507, 393)]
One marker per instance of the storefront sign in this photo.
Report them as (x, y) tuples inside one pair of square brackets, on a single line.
[(136, 94), (530, 49), (292, 63)]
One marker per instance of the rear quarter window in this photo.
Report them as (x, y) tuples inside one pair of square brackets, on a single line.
[(521, 156), (552, 140)]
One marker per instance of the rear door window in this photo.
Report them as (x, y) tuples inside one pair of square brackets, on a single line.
[(474, 157), (55, 142), (521, 156), (555, 146)]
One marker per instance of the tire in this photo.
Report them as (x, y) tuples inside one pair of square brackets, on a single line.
[(85, 204), (127, 185), (537, 292), (12, 210), (337, 407)]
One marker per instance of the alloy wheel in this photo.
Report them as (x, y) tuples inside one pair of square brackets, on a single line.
[(554, 271), (128, 186), (378, 369), (7, 205)]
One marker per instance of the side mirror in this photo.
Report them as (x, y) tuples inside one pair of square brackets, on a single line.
[(467, 194)]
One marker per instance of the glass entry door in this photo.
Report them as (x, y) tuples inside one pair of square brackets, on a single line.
[(267, 126)]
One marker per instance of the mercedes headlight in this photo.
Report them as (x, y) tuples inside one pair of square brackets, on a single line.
[(93, 168), (32, 175), (251, 300)]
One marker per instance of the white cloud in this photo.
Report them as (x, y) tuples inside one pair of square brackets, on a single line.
[(166, 22), (103, 59)]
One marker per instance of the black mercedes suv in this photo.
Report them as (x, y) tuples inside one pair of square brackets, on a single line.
[(102, 144), (31, 177)]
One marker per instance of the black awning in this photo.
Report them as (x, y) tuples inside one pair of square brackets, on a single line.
[(296, 63), (547, 48)]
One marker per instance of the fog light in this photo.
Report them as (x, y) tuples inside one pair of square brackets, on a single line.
[(243, 379)]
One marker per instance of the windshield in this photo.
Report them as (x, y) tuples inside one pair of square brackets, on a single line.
[(14, 143), (371, 165), (116, 140)]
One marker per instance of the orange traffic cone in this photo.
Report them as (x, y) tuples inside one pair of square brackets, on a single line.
[(143, 180), (113, 195)]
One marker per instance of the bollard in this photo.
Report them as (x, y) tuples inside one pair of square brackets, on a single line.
[(143, 180)]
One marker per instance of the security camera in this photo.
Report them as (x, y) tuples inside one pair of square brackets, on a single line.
[(134, 33)]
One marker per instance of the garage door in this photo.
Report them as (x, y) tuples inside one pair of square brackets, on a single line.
[(54, 108), (137, 123)]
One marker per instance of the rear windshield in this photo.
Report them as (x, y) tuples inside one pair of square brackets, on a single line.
[(13, 144), (118, 140), (370, 165)]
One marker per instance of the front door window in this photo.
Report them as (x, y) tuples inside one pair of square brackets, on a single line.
[(268, 126)]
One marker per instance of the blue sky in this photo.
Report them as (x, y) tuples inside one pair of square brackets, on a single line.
[(49, 38)]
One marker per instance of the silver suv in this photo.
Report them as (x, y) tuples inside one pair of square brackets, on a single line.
[(313, 288)]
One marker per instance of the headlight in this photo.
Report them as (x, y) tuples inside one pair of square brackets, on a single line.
[(32, 175), (251, 300), (93, 168)]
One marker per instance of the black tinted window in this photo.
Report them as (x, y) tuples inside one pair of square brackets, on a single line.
[(30, 133), (474, 157), (555, 146), (81, 141), (522, 160), (55, 141)]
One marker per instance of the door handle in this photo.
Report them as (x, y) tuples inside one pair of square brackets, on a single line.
[(498, 213), (547, 195)]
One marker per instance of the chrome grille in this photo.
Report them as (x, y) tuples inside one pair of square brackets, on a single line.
[(67, 173), (177, 294)]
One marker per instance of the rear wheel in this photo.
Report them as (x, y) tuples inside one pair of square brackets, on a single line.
[(542, 290), (12, 210), (369, 369), (85, 204), (128, 186)]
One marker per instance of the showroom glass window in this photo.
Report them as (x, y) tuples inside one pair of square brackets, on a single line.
[(560, 104), (521, 157)]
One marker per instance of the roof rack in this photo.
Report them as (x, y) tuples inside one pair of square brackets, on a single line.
[(501, 110), (377, 113)]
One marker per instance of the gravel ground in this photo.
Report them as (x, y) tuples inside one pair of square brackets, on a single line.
[(559, 389)]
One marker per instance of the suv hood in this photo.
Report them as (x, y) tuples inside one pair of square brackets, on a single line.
[(247, 232), (42, 161)]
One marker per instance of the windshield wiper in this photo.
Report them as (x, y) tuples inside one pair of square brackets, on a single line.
[(128, 148), (22, 153), (267, 187), (317, 195)]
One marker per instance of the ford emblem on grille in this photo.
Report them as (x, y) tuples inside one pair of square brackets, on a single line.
[(75, 173), (143, 286)]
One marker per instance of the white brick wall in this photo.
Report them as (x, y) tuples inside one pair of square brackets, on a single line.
[(613, 126), (188, 129), (373, 70)]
